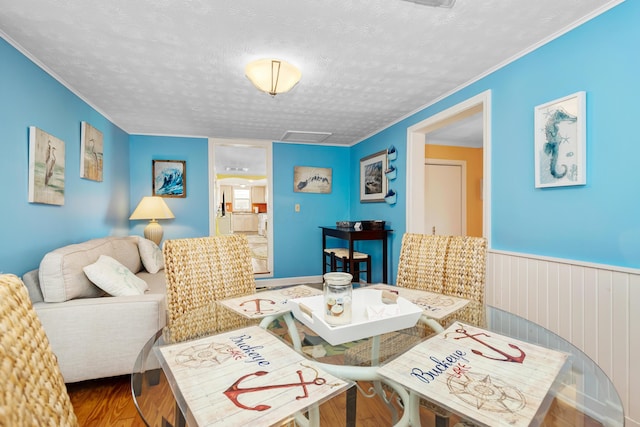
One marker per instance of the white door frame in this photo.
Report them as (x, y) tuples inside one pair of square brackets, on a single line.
[(268, 145), (416, 159)]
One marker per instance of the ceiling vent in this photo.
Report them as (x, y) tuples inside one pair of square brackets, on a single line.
[(435, 3), (302, 136)]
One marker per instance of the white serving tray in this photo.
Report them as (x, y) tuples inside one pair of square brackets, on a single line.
[(361, 325)]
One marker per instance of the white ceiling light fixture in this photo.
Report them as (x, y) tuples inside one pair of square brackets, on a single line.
[(435, 3), (273, 76)]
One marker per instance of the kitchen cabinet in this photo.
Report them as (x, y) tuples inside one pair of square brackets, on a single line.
[(258, 194), (245, 222), (223, 224)]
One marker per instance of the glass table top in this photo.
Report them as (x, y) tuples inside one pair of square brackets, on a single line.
[(581, 388)]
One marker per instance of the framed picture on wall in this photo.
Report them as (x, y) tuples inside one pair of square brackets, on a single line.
[(308, 179), (169, 178), (560, 142), (46, 168), (373, 183), (91, 152)]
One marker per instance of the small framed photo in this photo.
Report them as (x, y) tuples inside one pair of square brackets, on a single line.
[(373, 183), (560, 142), (308, 179), (169, 178), (91, 152)]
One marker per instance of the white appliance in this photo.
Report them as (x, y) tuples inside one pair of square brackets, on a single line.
[(262, 224)]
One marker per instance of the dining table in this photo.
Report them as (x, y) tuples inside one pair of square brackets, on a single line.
[(509, 371)]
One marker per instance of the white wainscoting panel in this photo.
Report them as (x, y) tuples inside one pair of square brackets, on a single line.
[(595, 307)]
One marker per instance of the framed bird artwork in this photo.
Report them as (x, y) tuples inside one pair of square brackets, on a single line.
[(91, 152), (46, 168)]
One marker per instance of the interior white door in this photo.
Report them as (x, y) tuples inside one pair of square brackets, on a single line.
[(445, 193)]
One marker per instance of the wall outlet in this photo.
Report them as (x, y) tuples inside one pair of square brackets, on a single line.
[(297, 207)]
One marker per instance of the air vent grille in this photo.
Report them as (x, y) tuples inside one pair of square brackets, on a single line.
[(303, 136), (435, 3)]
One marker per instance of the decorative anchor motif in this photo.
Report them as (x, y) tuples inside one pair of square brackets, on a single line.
[(507, 357), (257, 302), (234, 391)]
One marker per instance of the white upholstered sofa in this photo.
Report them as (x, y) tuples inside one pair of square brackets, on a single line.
[(92, 333)]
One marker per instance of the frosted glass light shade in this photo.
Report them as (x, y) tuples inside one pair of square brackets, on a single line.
[(272, 76)]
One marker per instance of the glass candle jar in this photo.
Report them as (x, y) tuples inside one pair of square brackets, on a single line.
[(337, 298)]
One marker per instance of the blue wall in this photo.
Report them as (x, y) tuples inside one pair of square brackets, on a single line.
[(192, 212), (597, 222), (297, 236), (31, 97), (393, 215)]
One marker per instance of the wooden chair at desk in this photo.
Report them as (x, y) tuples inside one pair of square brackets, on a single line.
[(200, 272), (337, 259), (449, 265), (34, 393)]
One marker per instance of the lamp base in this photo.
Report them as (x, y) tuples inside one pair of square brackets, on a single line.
[(153, 231)]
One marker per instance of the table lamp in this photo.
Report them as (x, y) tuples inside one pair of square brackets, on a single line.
[(152, 208)]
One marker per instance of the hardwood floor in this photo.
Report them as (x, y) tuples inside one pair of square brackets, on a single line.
[(108, 402), (104, 402)]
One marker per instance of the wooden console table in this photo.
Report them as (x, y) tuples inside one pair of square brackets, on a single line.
[(351, 235)]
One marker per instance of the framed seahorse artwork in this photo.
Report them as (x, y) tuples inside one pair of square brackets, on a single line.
[(560, 142), (309, 179)]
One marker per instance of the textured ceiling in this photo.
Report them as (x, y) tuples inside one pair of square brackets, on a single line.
[(176, 67)]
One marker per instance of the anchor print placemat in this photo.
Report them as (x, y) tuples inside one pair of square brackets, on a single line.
[(436, 306), (244, 377), (267, 303), (489, 378)]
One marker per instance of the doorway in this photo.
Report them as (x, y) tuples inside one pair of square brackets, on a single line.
[(240, 185), (417, 138)]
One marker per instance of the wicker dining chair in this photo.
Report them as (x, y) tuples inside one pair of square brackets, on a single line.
[(32, 390), (450, 265), (201, 271), (465, 276), (422, 262)]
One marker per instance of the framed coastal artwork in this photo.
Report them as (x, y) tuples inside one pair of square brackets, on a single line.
[(169, 178), (91, 152), (46, 168), (307, 179), (373, 184), (560, 142)]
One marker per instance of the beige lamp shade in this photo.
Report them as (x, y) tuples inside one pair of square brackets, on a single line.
[(152, 208), (272, 76)]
